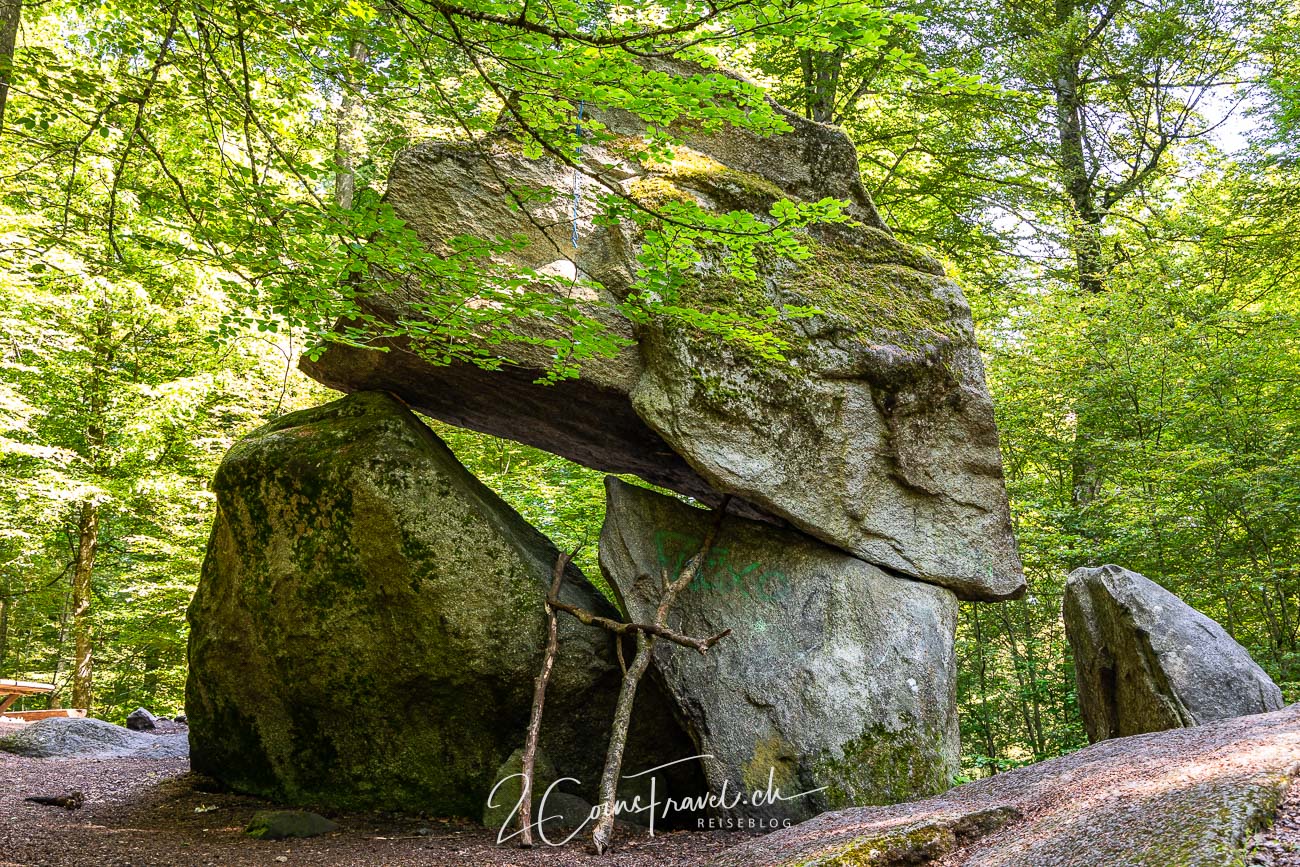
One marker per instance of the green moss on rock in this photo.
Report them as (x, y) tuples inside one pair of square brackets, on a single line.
[(369, 621), (886, 766)]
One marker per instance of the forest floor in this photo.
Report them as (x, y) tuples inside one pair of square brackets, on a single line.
[(150, 813)]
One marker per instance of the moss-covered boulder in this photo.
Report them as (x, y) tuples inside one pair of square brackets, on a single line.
[(837, 679), (876, 432), (370, 619), (1146, 661)]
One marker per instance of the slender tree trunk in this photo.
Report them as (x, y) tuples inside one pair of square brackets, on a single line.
[(1031, 660), (11, 13), (82, 628), (5, 604), (821, 81), (1073, 158), (990, 747), (347, 132), (603, 834)]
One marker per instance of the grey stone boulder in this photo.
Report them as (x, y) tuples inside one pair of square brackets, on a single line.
[(69, 738), (369, 622), (1146, 661), (837, 677), (875, 434), (288, 824), (141, 720)]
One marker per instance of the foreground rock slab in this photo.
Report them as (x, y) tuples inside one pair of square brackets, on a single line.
[(875, 435), (287, 824), (1147, 661), (1180, 798), (369, 622), (836, 677), (70, 738)]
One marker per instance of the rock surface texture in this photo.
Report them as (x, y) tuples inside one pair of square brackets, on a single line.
[(1146, 661), (1185, 798), (66, 738), (369, 622), (837, 677), (876, 433)]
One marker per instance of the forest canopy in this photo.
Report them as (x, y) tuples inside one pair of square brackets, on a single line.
[(191, 198)]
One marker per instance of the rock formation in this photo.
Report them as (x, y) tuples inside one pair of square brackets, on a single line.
[(369, 623), (1188, 798), (73, 738), (836, 676), (876, 433), (1146, 661), (384, 610)]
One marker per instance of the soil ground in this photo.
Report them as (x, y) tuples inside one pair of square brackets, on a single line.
[(153, 813)]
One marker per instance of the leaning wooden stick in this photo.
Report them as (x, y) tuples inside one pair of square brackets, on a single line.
[(529, 758), (602, 836)]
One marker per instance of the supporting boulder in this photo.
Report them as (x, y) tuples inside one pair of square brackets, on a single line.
[(1146, 661), (837, 679), (875, 434), (370, 619)]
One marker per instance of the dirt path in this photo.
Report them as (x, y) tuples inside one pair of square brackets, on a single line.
[(147, 813)]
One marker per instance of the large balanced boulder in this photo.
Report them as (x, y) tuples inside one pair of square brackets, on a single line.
[(1146, 661), (837, 679), (875, 433), (370, 619)]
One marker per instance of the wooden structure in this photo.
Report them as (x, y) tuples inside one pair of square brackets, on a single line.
[(12, 690), (33, 715)]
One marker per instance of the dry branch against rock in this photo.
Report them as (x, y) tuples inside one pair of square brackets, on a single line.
[(623, 628), (529, 758), (602, 835)]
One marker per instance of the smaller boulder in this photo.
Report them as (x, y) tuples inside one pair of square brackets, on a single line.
[(1146, 661), (141, 720), (282, 824), (503, 800), (71, 738)]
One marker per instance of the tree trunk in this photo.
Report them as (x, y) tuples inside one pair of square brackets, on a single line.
[(11, 12), (821, 81), (347, 132), (5, 605), (990, 746), (1086, 225), (82, 628)]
